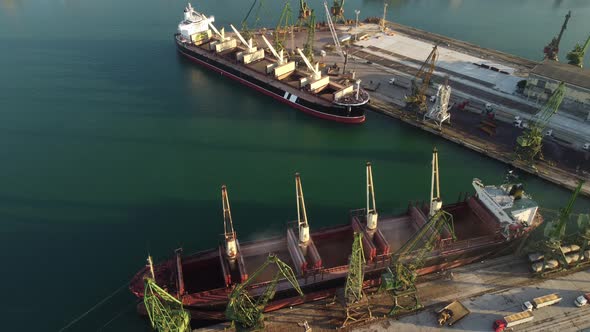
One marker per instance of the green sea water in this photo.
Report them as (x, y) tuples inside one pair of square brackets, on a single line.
[(113, 147)]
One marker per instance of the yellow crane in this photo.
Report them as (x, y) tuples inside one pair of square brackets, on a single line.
[(417, 100)]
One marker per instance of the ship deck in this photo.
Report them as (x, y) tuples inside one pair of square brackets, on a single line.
[(334, 245), (257, 69)]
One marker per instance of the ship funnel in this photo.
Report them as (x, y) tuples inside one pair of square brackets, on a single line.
[(435, 200), (372, 214), (301, 212), (231, 249)]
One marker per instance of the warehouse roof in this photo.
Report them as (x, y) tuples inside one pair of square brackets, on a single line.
[(569, 74)]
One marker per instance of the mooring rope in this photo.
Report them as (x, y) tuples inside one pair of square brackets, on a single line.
[(94, 307), (124, 310)]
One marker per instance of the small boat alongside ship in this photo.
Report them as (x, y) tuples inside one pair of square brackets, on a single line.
[(488, 223), (277, 76)]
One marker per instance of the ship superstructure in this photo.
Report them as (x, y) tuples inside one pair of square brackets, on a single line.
[(270, 72)]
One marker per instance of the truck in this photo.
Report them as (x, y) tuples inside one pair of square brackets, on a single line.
[(582, 300), (513, 320), (452, 313), (542, 301)]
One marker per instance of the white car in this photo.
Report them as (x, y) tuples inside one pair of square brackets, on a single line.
[(432, 99), (581, 301), (586, 146), (392, 80), (527, 306)]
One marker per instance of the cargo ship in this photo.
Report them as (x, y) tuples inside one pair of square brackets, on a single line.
[(308, 89), (488, 222)]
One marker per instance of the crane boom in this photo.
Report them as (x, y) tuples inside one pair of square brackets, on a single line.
[(552, 49), (418, 98), (283, 26)]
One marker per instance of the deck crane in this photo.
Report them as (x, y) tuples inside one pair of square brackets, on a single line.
[(552, 49), (337, 11), (554, 234), (352, 298), (246, 311), (400, 277), (231, 248), (308, 46), (304, 13), (372, 215), (529, 144), (302, 224), (576, 56), (417, 101), (334, 35), (316, 73), (283, 27), (166, 313)]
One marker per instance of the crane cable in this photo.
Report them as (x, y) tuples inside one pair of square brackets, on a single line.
[(94, 307)]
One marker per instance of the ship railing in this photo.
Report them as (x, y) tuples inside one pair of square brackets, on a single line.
[(470, 243)]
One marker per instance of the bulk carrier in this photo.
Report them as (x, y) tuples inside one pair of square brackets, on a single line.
[(489, 222), (277, 76)]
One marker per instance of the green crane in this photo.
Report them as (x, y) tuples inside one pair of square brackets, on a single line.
[(354, 300), (576, 56), (552, 49), (283, 27), (246, 311), (166, 313), (304, 13), (400, 277), (337, 11), (308, 47), (245, 30), (555, 231), (529, 144)]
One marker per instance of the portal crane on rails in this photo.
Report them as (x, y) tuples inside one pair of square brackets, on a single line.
[(417, 100), (247, 312), (165, 312), (554, 232), (529, 144), (552, 49), (400, 277), (304, 13), (576, 56), (308, 46), (352, 297), (245, 30), (337, 11), (284, 26)]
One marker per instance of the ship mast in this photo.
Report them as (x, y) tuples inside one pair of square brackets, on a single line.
[(301, 212), (228, 226), (435, 201), (372, 214)]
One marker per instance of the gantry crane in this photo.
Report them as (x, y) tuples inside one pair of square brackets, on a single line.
[(166, 313), (576, 56), (529, 144), (283, 27), (417, 101), (552, 49), (554, 233), (352, 298), (247, 312), (337, 11), (400, 277), (304, 13)]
